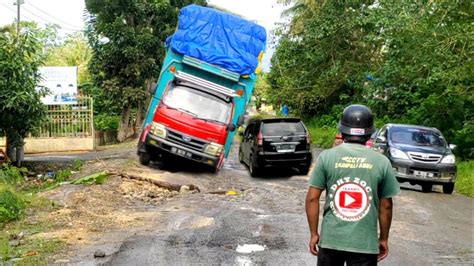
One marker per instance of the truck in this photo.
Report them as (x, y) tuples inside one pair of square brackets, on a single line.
[(205, 84)]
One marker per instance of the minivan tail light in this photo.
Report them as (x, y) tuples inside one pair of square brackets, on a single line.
[(259, 139)]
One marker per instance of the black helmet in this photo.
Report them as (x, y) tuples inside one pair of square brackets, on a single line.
[(357, 120)]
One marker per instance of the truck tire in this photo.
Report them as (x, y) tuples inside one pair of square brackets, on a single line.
[(144, 158), (448, 188), (426, 188), (253, 168)]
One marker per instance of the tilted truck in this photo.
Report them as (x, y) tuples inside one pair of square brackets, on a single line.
[(205, 85)]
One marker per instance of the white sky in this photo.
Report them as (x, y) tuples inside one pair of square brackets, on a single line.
[(69, 13), (66, 13)]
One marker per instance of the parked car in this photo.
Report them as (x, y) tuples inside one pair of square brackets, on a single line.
[(276, 142), (419, 155)]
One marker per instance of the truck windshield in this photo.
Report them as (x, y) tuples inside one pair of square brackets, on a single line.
[(198, 103), (417, 136)]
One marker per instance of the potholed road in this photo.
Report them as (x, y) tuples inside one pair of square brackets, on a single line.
[(265, 223)]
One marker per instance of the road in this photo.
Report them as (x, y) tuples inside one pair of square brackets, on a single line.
[(267, 217)]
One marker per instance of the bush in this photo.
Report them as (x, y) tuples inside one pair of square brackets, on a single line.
[(106, 122), (11, 175), (322, 137), (465, 180), (11, 205)]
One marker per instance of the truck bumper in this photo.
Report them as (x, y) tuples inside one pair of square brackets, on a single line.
[(419, 173), (156, 146)]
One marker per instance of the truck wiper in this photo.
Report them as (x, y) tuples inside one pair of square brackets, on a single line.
[(210, 120), (182, 110)]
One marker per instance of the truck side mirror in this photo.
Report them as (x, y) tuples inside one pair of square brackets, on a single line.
[(241, 120), (231, 127)]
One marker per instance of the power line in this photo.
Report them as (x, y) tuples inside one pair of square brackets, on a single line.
[(41, 22), (47, 14), (49, 21)]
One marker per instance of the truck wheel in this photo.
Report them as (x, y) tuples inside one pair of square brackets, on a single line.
[(144, 158), (426, 188), (448, 188), (253, 168)]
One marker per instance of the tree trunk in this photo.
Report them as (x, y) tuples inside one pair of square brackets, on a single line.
[(124, 122), (139, 118), (14, 152)]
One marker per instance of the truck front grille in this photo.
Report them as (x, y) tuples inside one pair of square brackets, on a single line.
[(185, 140), (424, 157)]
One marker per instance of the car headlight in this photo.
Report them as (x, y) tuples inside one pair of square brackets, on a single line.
[(158, 130), (214, 149), (450, 159), (398, 154)]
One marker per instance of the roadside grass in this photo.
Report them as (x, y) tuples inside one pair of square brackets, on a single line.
[(321, 136), (21, 212), (465, 180)]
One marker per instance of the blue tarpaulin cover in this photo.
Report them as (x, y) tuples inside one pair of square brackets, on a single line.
[(219, 38)]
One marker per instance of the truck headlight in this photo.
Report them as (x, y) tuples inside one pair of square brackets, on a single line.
[(214, 149), (449, 159), (398, 154), (158, 130)]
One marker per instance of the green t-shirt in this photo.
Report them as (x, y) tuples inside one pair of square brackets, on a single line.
[(355, 178)]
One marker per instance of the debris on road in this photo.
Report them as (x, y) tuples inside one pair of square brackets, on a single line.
[(163, 184), (99, 254)]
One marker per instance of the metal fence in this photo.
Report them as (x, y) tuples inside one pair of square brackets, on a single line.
[(69, 120)]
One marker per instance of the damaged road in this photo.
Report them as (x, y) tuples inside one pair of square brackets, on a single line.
[(239, 220)]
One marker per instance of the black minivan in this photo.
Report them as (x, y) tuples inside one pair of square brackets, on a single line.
[(276, 142), (419, 155)]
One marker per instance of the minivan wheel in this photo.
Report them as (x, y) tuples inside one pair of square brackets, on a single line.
[(303, 169), (253, 168), (426, 188), (448, 188), (241, 156)]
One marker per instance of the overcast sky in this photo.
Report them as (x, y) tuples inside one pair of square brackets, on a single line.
[(69, 13)]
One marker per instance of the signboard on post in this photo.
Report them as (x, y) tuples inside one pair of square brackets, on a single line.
[(61, 83)]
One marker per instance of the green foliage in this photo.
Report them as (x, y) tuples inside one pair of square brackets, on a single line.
[(11, 175), (322, 137), (97, 178), (21, 110), (74, 51), (62, 175), (78, 163), (465, 181), (106, 122), (410, 61), (11, 204)]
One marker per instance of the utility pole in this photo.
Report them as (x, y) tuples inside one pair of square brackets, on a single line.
[(18, 4)]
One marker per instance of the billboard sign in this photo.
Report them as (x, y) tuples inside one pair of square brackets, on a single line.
[(62, 85)]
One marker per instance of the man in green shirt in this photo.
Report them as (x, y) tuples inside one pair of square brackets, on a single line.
[(359, 185)]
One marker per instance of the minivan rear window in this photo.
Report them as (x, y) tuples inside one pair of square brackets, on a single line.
[(279, 128)]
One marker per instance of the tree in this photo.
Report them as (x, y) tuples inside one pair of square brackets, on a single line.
[(21, 110), (74, 51), (324, 56), (410, 61), (127, 40)]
